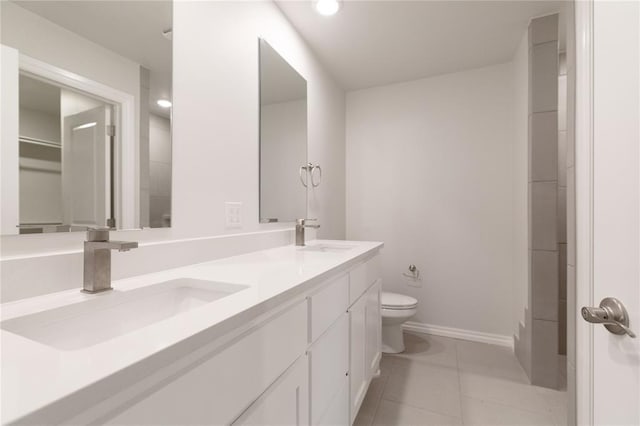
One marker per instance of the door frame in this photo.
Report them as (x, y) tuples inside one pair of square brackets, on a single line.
[(585, 15), (584, 196), (127, 174)]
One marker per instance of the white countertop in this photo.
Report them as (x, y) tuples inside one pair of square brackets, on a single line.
[(35, 375)]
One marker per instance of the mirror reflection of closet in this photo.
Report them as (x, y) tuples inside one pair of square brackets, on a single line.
[(90, 135), (65, 163)]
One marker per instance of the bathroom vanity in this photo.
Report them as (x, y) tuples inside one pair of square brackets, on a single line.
[(289, 335)]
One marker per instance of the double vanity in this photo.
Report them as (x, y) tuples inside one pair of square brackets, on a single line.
[(289, 335)]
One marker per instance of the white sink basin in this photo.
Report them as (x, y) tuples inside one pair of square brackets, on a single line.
[(330, 248), (116, 313)]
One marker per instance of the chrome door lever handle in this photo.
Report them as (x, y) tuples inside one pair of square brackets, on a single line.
[(612, 314)]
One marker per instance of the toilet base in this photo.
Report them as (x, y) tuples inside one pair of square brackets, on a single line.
[(392, 338)]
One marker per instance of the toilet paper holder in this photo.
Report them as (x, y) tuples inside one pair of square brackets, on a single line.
[(415, 272)]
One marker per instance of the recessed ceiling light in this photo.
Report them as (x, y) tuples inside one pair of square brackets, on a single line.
[(327, 7), (164, 103)]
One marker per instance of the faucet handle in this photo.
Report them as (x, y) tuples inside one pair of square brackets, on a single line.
[(98, 234)]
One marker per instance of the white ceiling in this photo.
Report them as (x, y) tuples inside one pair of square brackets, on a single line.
[(132, 29), (373, 43)]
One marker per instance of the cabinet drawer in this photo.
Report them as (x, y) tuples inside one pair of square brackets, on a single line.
[(329, 358), (218, 389), (361, 277), (327, 305)]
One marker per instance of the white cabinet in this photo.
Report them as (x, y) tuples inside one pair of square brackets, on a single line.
[(327, 305), (329, 360), (357, 359), (286, 402), (373, 329), (219, 388), (307, 364), (338, 411), (365, 344)]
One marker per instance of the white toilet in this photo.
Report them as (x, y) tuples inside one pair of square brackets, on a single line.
[(396, 309)]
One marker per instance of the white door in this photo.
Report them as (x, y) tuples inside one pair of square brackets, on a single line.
[(608, 207), (86, 172)]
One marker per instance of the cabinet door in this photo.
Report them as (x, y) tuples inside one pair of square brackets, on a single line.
[(285, 403), (337, 414), (329, 359), (373, 338), (357, 358)]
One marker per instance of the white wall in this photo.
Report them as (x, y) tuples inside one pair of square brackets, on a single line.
[(39, 38), (283, 150), (216, 115), (215, 136), (74, 103), (430, 173), (521, 183), (39, 125)]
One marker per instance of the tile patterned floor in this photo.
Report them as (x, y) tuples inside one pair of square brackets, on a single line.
[(442, 381)]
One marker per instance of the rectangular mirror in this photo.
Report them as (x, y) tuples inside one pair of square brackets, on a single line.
[(94, 114), (283, 139)]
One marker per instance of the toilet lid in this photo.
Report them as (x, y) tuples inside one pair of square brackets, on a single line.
[(397, 301)]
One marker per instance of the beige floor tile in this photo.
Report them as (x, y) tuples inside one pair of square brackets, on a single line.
[(490, 360), (485, 413), (441, 381), (363, 419), (372, 398), (558, 403), (430, 349), (393, 413), (386, 364), (428, 386), (504, 391)]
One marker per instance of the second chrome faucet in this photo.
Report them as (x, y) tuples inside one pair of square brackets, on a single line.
[(301, 224)]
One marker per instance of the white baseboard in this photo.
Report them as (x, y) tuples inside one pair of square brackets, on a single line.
[(458, 333)]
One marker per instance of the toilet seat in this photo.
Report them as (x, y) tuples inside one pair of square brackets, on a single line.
[(395, 301)]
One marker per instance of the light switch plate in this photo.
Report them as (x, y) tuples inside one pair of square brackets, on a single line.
[(233, 214)]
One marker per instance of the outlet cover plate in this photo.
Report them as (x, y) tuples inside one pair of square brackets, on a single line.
[(233, 214)]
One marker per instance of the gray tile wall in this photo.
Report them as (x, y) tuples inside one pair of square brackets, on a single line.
[(544, 201)]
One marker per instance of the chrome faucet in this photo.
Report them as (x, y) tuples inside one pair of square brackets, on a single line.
[(97, 259), (300, 225)]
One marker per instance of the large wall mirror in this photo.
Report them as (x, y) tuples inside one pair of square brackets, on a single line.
[(283, 139), (93, 111)]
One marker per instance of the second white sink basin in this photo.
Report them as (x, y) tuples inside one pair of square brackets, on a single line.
[(116, 313)]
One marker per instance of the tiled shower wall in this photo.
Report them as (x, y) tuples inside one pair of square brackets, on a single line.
[(544, 288)]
